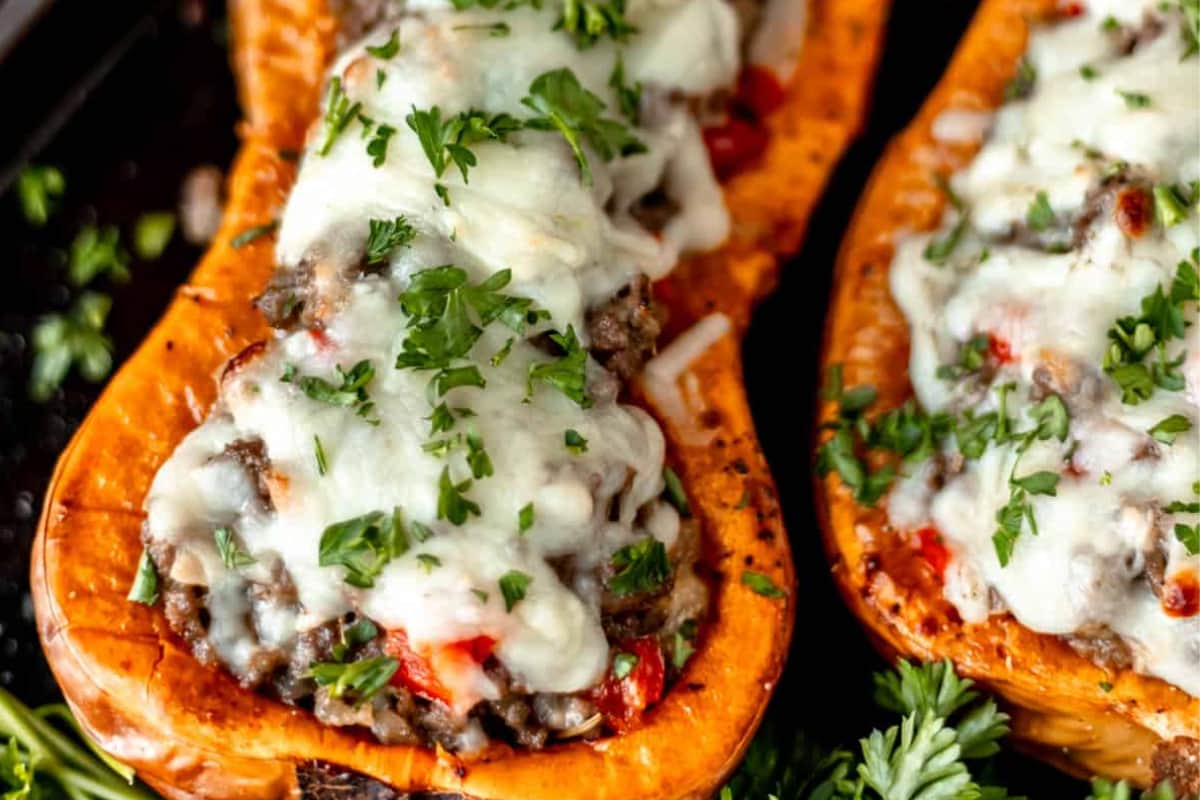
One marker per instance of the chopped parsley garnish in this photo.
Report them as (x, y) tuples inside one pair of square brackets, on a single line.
[(384, 236), (971, 357), (38, 189), (453, 505), (682, 645), (441, 420), (564, 105), (1189, 536), (1039, 215), (1167, 429), (525, 518), (513, 585), (1136, 358), (568, 374), (96, 252), (353, 636), (319, 455), (1022, 83), (639, 567), (253, 234), (574, 441), (480, 594), (1171, 202), (587, 21), (623, 664), (938, 250), (1105, 686), (232, 556), (1191, 26), (761, 584), (145, 581), (152, 234), (351, 392), (452, 378), (496, 30), (675, 492), (359, 679), (449, 141), (77, 337), (1185, 506), (441, 328), (388, 49), (339, 113), (477, 457), (1134, 99), (363, 545), (377, 147), (1088, 72), (629, 97), (428, 562)]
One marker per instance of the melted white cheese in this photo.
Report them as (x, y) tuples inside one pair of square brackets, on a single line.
[(569, 246), (1054, 310)]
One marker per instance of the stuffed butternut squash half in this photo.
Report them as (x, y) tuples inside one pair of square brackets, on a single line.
[(400, 496), (1023, 499)]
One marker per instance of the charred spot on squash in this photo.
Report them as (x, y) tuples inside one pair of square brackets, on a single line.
[(318, 780)]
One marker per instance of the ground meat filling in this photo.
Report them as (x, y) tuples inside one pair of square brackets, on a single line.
[(624, 331)]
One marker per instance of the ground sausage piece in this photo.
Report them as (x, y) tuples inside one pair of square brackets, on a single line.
[(624, 330), (284, 299), (251, 454), (1100, 645)]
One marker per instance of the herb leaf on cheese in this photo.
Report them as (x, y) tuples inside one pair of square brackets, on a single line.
[(360, 680), (388, 49), (587, 21), (351, 392), (363, 545), (564, 105), (639, 567), (232, 555), (568, 373), (339, 113), (513, 585), (453, 505), (449, 141), (385, 236), (145, 581)]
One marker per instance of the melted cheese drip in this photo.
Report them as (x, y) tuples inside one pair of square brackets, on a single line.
[(569, 246), (1053, 310)]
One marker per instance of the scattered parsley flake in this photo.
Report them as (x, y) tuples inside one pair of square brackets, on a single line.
[(232, 556), (362, 679), (1165, 430), (574, 442), (513, 585), (1040, 215), (253, 234), (525, 518), (453, 505), (363, 545), (95, 252), (675, 492), (339, 113), (388, 49), (152, 234), (761, 584), (38, 190), (1134, 100), (319, 455), (75, 338), (377, 147), (428, 561), (145, 581), (385, 236), (639, 567), (623, 664)]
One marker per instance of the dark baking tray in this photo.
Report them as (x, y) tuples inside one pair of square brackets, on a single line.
[(147, 94)]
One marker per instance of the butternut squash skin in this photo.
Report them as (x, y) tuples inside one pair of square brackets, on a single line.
[(191, 732), (1143, 729)]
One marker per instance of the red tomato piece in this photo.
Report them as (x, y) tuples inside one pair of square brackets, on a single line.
[(933, 550), (734, 144), (759, 90), (1069, 9), (622, 700), (1000, 349), (1133, 211), (416, 672), (1181, 595)]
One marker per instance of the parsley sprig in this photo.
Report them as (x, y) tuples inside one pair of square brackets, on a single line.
[(75, 338), (639, 567), (340, 111), (1137, 358), (567, 374), (364, 545), (588, 21), (351, 392), (449, 141), (563, 104)]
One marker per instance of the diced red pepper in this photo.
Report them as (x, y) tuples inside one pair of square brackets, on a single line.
[(1181, 595), (734, 144), (416, 671), (623, 700), (759, 91), (1000, 349), (320, 339), (1069, 9), (1133, 211), (933, 550)]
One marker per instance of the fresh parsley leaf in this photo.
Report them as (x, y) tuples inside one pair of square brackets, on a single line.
[(232, 556), (564, 105), (38, 191), (1088, 72), (761, 584), (513, 585), (1170, 204), (1165, 430), (1052, 418), (480, 594), (623, 664), (916, 756), (574, 441), (923, 688), (675, 492), (377, 147), (253, 234), (496, 30), (449, 141), (629, 97), (1022, 83), (152, 234), (587, 21), (1134, 100), (354, 636), (1186, 285), (388, 49), (441, 420), (363, 545), (683, 643), (639, 567), (972, 355), (351, 392), (361, 679), (568, 374), (339, 113), (525, 518), (1133, 339), (1191, 26), (319, 455), (1189, 536), (384, 236), (145, 581), (477, 457), (428, 562), (75, 338), (1040, 215), (453, 505), (1042, 482), (96, 252)]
